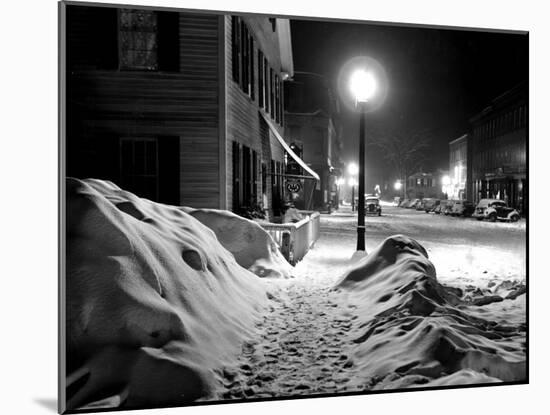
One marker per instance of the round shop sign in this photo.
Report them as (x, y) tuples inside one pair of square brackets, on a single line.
[(293, 186)]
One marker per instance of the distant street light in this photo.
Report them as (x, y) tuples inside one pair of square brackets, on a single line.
[(362, 84), (397, 185), (352, 182), (353, 169)]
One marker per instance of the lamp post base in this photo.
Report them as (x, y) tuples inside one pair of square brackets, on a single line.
[(361, 238)]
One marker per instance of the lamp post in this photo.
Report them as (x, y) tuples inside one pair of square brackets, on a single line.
[(363, 87)]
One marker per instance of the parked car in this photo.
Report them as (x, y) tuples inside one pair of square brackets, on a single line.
[(404, 202), (420, 205), (372, 206), (447, 210), (495, 209), (429, 204), (462, 208), (440, 208), (412, 204)]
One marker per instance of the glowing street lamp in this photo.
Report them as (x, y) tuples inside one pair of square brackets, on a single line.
[(353, 169), (397, 185), (363, 88), (362, 85)]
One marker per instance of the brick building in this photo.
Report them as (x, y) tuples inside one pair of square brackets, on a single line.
[(498, 150)]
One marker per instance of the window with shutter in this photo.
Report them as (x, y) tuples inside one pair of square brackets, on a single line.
[(251, 68), (235, 48), (236, 176), (139, 167), (261, 79)]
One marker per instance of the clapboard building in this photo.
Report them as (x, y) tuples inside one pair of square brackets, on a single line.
[(178, 107)]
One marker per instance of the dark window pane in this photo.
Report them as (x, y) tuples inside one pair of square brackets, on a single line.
[(139, 158), (138, 39)]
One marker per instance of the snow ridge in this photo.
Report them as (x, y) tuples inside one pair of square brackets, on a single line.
[(156, 306), (412, 331)]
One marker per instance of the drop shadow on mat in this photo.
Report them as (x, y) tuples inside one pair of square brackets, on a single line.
[(48, 403)]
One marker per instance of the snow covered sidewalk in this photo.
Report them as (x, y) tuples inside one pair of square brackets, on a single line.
[(302, 345)]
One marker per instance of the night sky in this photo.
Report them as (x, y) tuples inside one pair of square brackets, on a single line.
[(437, 78)]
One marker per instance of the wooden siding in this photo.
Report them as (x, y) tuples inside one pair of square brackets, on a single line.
[(200, 162), (184, 104), (243, 122)]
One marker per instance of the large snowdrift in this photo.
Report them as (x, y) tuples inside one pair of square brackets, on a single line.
[(156, 307), (252, 246), (412, 331)]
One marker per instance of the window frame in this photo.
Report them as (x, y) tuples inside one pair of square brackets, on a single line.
[(120, 31)]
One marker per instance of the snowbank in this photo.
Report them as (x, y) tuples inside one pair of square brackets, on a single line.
[(156, 307), (410, 330), (252, 246)]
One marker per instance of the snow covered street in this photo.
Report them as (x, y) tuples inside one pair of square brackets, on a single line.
[(461, 249)]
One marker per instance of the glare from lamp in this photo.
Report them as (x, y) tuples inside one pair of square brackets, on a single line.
[(353, 169), (362, 85)]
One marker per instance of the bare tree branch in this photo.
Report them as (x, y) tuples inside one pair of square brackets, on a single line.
[(406, 150)]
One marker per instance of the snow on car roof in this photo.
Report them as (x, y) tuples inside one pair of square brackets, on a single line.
[(488, 201)]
